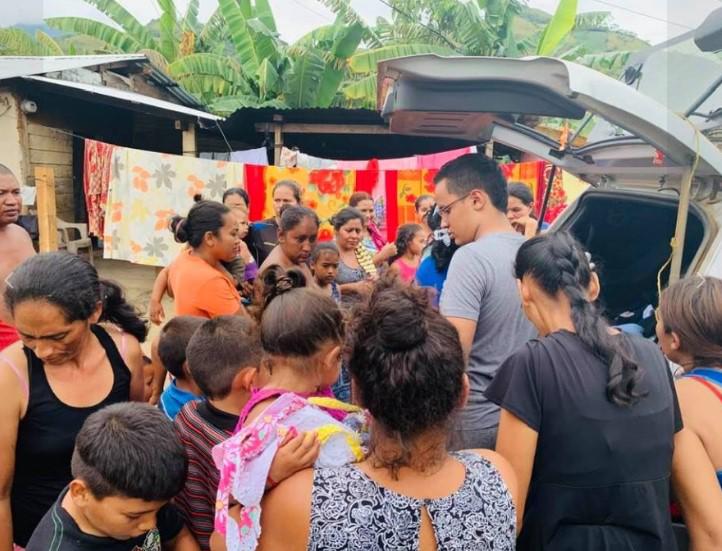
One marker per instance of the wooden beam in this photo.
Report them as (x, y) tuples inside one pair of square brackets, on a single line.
[(47, 216), (189, 141), (310, 128), (278, 129)]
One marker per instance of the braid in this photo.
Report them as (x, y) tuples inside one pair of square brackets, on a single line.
[(557, 263)]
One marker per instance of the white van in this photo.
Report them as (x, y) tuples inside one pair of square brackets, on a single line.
[(644, 163)]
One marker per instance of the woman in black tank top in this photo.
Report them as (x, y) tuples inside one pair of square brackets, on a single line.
[(66, 368)]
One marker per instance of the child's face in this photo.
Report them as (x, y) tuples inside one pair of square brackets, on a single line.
[(325, 268), (417, 244), (242, 219), (116, 517)]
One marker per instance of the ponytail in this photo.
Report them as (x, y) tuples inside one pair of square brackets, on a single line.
[(118, 311), (557, 263)]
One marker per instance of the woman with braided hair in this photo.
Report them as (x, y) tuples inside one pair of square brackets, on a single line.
[(589, 415)]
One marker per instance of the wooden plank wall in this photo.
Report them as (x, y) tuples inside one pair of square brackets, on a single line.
[(53, 149)]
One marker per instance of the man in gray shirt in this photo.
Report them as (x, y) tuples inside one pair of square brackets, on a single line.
[(480, 296)]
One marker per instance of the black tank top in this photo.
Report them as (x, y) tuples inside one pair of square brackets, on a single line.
[(46, 437)]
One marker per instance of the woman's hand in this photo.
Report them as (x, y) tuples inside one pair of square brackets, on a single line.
[(526, 225), (387, 251)]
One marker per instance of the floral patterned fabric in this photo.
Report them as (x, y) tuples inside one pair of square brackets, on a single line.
[(350, 512), (324, 191), (244, 460), (146, 190), (96, 180)]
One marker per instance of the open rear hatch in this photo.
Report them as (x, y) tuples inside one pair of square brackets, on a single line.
[(640, 167)]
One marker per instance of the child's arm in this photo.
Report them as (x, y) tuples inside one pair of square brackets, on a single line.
[(184, 541), (295, 454), (160, 287), (159, 374)]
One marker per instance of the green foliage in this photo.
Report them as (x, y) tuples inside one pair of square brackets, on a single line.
[(561, 24)]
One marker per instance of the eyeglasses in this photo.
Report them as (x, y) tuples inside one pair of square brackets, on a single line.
[(444, 212)]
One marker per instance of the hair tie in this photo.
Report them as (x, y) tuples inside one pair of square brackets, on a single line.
[(283, 285)]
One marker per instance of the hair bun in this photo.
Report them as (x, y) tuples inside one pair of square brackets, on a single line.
[(277, 281), (401, 321), (197, 198), (179, 227)]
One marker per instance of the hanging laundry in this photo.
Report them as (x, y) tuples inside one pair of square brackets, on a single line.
[(293, 158), (257, 156), (324, 191), (96, 179), (437, 160), (216, 155), (146, 190)]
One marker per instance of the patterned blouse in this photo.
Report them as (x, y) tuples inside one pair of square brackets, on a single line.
[(350, 512)]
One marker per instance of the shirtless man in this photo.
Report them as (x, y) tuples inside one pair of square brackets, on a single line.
[(15, 245)]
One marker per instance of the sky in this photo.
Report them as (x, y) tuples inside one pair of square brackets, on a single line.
[(652, 20)]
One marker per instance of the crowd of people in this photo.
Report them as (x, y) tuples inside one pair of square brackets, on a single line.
[(455, 389)]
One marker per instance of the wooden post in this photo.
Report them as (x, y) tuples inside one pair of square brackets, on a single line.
[(277, 139), (47, 215), (189, 141)]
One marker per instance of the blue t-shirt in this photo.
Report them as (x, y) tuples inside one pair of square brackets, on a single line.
[(173, 399), (427, 275)]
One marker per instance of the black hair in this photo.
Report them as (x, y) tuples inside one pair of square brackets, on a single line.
[(420, 199), (404, 235), (293, 186), (293, 215), (440, 251), (557, 263), (344, 216), (219, 349), (521, 192), (242, 193), (475, 171), (204, 217), (325, 247), (173, 342), (296, 321), (130, 450), (407, 364), (72, 284)]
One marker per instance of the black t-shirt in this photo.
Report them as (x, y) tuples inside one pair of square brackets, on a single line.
[(58, 531), (600, 479)]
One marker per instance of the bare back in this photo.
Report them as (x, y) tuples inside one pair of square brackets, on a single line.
[(701, 411)]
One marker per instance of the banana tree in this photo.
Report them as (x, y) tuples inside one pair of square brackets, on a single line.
[(18, 42)]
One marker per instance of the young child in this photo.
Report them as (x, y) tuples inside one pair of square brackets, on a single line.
[(410, 243), (324, 265), (171, 356), (223, 356), (127, 465), (301, 337)]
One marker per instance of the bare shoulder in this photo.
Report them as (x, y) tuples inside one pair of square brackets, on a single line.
[(21, 236), (13, 376), (128, 346), (287, 513)]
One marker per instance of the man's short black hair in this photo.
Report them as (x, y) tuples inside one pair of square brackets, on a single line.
[(475, 171), (219, 349), (173, 342), (130, 450)]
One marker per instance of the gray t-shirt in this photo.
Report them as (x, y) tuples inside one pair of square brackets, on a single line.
[(480, 286)]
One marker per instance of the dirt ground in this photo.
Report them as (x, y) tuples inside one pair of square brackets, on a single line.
[(137, 282)]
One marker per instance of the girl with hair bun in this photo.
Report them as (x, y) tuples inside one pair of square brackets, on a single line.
[(588, 415), (297, 234), (409, 493), (79, 352), (292, 421), (197, 278)]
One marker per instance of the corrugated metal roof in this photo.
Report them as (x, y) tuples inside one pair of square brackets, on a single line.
[(126, 97), (22, 66)]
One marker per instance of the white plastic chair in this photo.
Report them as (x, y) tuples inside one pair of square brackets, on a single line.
[(74, 245)]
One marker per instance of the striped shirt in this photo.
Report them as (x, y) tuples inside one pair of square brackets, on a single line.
[(200, 427)]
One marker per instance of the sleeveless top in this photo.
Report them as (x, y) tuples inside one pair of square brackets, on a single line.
[(46, 437), (407, 273), (350, 512), (712, 379)]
